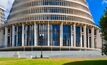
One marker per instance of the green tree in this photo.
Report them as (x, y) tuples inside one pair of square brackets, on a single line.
[(103, 26)]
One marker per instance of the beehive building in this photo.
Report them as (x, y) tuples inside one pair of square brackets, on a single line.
[(52, 24)]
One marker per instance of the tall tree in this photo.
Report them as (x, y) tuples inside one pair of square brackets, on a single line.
[(103, 26)]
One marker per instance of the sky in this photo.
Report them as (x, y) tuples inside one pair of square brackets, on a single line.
[(96, 7)]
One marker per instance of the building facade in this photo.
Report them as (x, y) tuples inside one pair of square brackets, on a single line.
[(52, 24), (1, 16), (1, 25)]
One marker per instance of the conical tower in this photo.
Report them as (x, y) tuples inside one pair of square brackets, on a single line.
[(56, 24), (71, 10)]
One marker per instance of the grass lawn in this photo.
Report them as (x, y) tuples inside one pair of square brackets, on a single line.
[(53, 61)]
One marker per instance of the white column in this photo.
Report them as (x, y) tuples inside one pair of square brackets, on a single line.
[(35, 34), (6, 36), (61, 34), (74, 26), (2, 37), (71, 37), (22, 34), (98, 38), (26, 27), (92, 37), (88, 39), (48, 34), (81, 37), (85, 42), (13, 35)]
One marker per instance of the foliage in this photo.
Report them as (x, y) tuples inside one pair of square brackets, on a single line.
[(103, 26)]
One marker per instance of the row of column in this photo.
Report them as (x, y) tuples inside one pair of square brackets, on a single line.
[(84, 34), (61, 36)]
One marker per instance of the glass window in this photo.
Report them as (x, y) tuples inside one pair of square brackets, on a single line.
[(19, 35), (66, 35), (78, 32), (42, 34), (55, 35)]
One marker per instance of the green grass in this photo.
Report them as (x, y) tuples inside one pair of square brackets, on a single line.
[(53, 61)]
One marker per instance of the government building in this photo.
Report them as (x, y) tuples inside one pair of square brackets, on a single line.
[(50, 25), (1, 24)]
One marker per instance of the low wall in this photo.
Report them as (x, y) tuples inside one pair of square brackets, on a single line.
[(29, 54)]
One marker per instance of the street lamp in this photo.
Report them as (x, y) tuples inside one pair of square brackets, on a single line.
[(41, 43)]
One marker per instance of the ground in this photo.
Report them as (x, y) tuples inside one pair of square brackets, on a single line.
[(53, 61)]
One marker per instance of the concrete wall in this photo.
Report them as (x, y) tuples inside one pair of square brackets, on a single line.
[(52, 54)]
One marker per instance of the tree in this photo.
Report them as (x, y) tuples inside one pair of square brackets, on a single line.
[(103, 26)]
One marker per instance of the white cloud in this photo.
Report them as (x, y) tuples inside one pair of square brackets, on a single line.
[(104, 1), (8, 7), (3, 3), (6, 3)]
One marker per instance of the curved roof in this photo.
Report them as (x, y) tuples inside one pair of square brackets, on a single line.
[(27, 10)]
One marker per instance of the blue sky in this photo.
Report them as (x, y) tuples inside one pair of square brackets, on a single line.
[(96, 7)]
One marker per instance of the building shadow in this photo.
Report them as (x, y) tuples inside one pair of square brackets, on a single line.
[(88, 62)]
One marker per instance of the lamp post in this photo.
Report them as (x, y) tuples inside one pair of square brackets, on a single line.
[(41, 43)]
